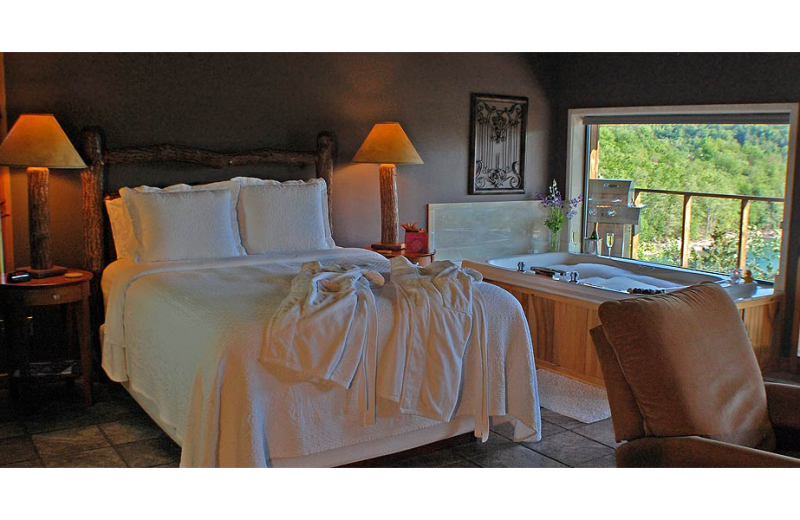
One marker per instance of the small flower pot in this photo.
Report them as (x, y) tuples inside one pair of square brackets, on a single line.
[(416, 242)]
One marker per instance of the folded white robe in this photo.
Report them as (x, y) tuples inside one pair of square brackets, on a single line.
[(327, 326), (440, 315)]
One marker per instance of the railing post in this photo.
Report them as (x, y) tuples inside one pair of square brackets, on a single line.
[(686, 230), (637, 201), (744, 222)]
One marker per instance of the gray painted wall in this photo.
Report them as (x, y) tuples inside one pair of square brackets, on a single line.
[(239, 101)]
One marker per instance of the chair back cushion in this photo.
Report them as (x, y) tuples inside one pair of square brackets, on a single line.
[(628, 422), (690, 366)]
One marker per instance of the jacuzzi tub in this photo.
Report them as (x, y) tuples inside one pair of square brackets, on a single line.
[(609, 273), (612, 276)]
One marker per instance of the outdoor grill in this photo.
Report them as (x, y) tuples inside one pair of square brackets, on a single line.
[(610, 204)]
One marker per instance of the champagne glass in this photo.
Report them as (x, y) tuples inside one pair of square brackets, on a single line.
[(609, 242), (575, 235)]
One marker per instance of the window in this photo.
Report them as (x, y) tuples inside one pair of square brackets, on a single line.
[(712, 182), (724, 184)]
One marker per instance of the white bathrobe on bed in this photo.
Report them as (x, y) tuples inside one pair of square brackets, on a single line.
[(327, 327), (440, 315), (332, 307)]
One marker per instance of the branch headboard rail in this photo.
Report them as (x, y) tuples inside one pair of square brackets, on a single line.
[(96, 250)]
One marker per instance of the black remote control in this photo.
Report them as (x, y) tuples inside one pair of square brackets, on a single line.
[(18, 277)]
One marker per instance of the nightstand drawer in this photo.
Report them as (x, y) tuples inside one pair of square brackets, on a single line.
[(43, 295)]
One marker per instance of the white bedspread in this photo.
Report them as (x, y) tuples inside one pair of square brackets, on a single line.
[(187, 335)]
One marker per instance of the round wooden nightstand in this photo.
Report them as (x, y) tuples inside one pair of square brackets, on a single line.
[(17, 298), (422, 259)]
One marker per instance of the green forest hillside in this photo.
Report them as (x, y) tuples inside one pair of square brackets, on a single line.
[(728, 159)]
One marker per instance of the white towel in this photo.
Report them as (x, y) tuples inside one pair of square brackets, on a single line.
[(440, 316), (327, 326)]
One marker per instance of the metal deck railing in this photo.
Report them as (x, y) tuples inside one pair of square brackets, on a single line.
[(686, 220)]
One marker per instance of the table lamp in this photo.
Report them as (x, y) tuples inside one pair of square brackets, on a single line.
[(388, 145), (37, 142)]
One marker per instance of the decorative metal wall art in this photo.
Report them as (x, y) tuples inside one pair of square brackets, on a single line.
[(498, 127)]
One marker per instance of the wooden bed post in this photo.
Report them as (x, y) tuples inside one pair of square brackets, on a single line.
[(326, 155), (93, 192)]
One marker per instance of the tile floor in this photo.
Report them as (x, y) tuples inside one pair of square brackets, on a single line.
[(61, 432), (115, 432)]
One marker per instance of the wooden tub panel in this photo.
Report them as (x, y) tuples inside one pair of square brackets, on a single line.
[(760, 325), (592, 366), (562, 343), (569, 336)]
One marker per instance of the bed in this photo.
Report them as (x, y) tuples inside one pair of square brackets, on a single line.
[(183, 338)]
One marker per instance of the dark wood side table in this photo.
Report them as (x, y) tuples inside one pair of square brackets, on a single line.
[(17, 298), (422, 259)]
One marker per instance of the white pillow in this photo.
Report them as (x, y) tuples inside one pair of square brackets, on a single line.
[(182, 225), (283, 216), (122, 228)]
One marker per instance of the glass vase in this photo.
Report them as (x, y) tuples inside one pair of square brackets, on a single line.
[(555, 240)]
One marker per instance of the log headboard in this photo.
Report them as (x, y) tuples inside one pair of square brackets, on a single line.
[(97, 250)]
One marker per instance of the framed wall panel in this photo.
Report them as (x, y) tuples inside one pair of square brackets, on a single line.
[(498, 129)]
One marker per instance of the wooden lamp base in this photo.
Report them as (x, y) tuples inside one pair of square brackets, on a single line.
[(389, 219), (39, 225)]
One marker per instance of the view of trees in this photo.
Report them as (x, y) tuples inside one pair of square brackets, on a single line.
[(741, 159)]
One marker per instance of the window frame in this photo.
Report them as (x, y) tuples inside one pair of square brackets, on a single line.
[(578, 155)]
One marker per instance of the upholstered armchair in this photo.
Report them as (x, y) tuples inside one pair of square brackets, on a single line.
[(684, 386)]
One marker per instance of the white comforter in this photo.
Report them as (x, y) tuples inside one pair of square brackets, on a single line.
[(187, 335)]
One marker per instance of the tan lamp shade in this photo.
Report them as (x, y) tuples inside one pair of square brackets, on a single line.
[(37, 140), (387, 143)]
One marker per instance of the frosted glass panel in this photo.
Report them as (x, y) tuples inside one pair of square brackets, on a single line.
[(480, 230)]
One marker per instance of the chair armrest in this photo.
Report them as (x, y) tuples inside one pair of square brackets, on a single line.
[(783, 402), (696, 452)]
